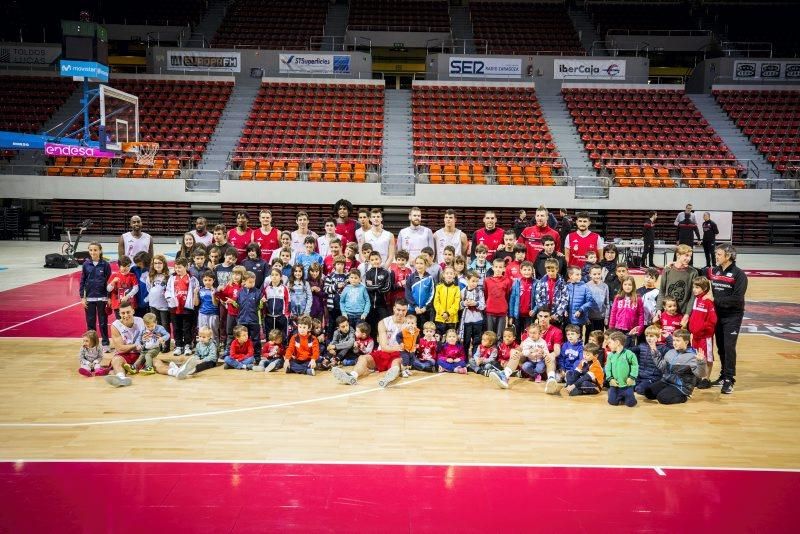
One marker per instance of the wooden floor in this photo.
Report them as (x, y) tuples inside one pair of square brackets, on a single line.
[(48, 411)]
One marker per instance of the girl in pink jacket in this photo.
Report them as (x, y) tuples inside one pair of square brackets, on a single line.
[(627, 312)]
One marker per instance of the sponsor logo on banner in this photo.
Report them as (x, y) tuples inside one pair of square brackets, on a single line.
[(87, 69), (770, 70), (57, 149), (474, 67), (792, 71), (745, 70), (588, 69), (314, 63), (28, 55), (204, 61)]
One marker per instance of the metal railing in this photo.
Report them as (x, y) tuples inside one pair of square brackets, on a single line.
[(678, 162), (82, 171), (202, 180), (304, 174), (590, 187), (655, 182), (456, 46), (746, 48), (339, 43), (660, 33), (389, 28)]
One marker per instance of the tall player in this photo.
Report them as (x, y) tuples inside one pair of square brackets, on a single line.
[(582, 240), (490, 235), (531, 236), (414, 237), (450, 236), (267, 237), (240, 236)]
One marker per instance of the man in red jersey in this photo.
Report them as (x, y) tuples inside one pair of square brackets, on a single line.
[(531, 236), (582, 240), (345, 226), (490, 235), (240, 236), (267, 237)]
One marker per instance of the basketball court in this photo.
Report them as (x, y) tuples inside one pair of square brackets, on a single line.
[(244, 451)]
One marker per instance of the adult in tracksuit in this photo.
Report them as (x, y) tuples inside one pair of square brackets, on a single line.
[(687, 231), (710, 232), (95, 273), (729, 285)]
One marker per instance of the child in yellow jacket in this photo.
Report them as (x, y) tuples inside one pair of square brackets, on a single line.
[(446, 302)]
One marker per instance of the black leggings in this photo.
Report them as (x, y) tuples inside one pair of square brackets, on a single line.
[(96, 315), (664, 393), (182, 327)]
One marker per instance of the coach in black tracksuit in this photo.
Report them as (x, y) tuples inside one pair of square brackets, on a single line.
[(728, 284), (687, 231), (649, 239), (710, 232)]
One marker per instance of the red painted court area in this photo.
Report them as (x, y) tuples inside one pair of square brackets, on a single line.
[(222, 497)]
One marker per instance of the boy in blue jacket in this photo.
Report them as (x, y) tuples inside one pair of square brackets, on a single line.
[(520, 303), (354, 300), (420, 287), (95, 273), (571, 352), (247, 302), (581, 301), (649, 373)]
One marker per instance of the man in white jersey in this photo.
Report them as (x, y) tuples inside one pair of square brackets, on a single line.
[(415, 237), (381, 240), (299, 236), (135, 241), (450, 236), (386, 358), (363, 224), (126, 337), (201, 233)]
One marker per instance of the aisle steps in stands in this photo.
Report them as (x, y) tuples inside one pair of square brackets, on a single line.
[(461, 29), (204, 32), (398, 165), (587, 32), (335, 24)]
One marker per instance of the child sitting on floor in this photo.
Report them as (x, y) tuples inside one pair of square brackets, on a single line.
[(152, 339), (451, 355), (587, 378), (485, 357), (91, 355)]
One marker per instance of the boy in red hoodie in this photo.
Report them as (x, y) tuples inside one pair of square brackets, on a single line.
[(497, 289), (229, 296), (241, 352), (122, 286), (302, 352), (702, 323)]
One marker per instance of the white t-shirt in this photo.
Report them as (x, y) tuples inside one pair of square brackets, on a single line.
[(380, 243), (392, 329), (298, 241), (134, 245), (442, 239), (205, 240), (324, 245), (413, 240), (129, 334)]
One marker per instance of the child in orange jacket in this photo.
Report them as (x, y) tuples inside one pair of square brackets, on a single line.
[(302, 352)]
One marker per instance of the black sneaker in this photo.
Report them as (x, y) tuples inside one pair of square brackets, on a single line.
[(705, 383), (718, 382), (727, 387)]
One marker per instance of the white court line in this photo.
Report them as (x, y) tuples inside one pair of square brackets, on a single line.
[(215, 412), (39, 317), (393, 463), (659, 471)]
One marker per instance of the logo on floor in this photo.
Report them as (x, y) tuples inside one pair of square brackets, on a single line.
[(776, 319)]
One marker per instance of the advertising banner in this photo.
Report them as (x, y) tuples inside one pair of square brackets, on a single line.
[(188, 60), (747, 69), (57, 149), (589, 69), (19, 54), (314, 64), (484, 67), (87, 69)]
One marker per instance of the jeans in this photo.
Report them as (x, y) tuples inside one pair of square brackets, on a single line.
[(238, 364), (267, 361), (484, 368), (96, 315), (533, 368), (300, 368), (618, 395), (583, 382), (146, 357), (429, 366)]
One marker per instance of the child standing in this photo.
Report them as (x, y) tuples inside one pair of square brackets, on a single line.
[(451, 357), (598, 315), (702, 323), (90, 356), (156, 287), (472, 305), (122, 286), (669, 319), (591, 261), (302, 352), (648, 293), (681, 368), (300, 298), (255, 264), (228, 294), (334, 284), (340, 349), (241, 351), (247, 302), (627, 312), (275, 303), (420, 288), (208, 308), (622, 368), (182, 297), (498, 290), (514, 267), (400, 273), (676, 280), (581, 300), (309, 256), (479, 264), (273, 351), (378, 282), (521, 300), (407, 339), (551, 293), (93, 290), (588, 377), (484, 359), (152, 340), (317, 284), (354, 300), (447, 301)]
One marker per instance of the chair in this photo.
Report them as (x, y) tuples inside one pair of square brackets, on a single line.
[(435, 174)]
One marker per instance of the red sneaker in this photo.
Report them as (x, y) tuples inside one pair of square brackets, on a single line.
[(85, 372), (101, 371)]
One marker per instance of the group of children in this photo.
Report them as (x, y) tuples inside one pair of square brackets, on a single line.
[(499, 315)]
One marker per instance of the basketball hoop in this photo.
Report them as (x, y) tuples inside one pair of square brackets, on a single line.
[(145, 152)]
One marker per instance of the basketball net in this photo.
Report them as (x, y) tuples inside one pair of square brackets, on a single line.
[(145, 152)]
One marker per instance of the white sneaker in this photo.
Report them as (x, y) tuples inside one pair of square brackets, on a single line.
[(187, 368), (118, 381), (343, 377), (187, 351), (390, 376), (551, 387), (311, 372), (406, 373), (178, 351), (271, 366)]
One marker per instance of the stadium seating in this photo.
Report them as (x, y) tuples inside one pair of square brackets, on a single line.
[(524, 28), (770, 22), (28, 101), (462, 133), (279, 24), (770, 118), (112, 216), (399, 15), (651, 137), (325, 131), (152, 12)]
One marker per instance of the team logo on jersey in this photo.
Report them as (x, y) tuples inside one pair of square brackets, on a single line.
[(776, 319)]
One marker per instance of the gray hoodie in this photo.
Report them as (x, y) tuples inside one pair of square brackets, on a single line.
[(680, 369)]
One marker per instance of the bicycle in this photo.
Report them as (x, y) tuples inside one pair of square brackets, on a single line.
[(69, 248)]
